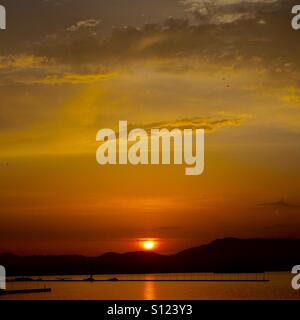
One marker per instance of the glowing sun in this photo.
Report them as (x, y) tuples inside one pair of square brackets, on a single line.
[(148, 244)]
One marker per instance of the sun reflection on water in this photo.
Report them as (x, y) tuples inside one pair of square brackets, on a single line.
[(149, 290)]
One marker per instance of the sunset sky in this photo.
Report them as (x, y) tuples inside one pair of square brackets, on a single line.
[(70, 67)]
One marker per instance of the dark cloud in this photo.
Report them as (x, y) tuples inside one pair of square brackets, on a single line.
[(281, 204), (261, 37), (264, 42), (30, 21), (209, 124)]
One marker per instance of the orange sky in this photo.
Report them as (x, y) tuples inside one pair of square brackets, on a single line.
[(64, 82)]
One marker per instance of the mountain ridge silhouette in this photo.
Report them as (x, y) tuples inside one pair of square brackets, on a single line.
[(220, 255)]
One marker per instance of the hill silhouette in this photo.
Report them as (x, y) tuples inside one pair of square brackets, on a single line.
[(223, 255)]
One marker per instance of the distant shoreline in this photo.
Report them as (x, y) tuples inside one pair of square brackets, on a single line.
[(229, 255)]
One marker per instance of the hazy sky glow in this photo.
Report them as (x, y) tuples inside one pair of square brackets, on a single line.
[(69, 68)]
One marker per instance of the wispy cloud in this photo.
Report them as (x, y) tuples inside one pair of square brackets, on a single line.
[(73, 78), (224, 11), (208, 124), (31, 69), (89, 23), (21, 62), (281, 204)]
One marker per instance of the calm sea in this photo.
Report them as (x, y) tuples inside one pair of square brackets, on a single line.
[(279, 287)]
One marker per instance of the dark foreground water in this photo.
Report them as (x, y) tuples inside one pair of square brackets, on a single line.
[(279, 287)]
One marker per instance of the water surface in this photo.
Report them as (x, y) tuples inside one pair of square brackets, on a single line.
[(279, 287)]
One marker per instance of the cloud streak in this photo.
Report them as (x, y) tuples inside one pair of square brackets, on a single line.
[(281, 204), (208, 124), (89, 23), (224, 11)]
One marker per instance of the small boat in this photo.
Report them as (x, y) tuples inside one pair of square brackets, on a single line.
[(90, 279)]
